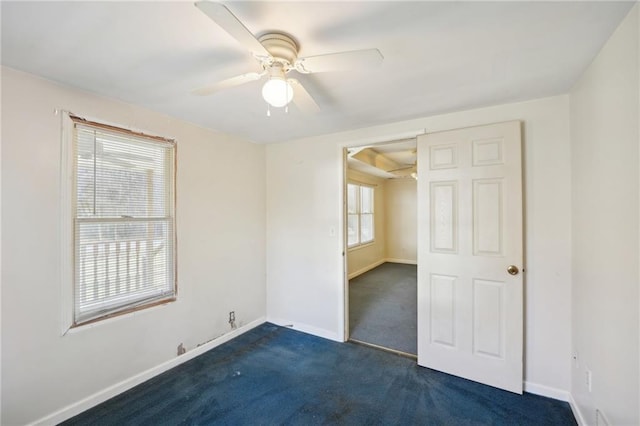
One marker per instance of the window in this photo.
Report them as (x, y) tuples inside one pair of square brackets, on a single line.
[(123, 221), (360, 224)]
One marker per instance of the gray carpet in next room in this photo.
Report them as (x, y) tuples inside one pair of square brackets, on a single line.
[(383, 307)]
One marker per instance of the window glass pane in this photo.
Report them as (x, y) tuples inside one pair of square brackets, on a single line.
[(366, 201), (123, 191), (352, 198), (366, 228), (119, 177), (352, 229), (120, 263)]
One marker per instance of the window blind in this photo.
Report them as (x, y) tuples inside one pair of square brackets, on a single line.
[(124, 224)]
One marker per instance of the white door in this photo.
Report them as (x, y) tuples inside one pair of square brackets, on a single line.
[(469, 242)]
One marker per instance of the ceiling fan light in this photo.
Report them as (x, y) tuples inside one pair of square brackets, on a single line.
[(277, 92)]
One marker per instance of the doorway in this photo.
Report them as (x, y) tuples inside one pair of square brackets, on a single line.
[(381, 247), (470, 235)]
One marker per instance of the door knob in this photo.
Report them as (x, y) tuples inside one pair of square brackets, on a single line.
[(513, 270)]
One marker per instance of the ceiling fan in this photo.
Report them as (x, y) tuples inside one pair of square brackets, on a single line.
[(277, 53)]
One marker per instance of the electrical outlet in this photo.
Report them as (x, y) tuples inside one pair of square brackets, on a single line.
[(232, 319)]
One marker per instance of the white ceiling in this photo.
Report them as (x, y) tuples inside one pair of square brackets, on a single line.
[(439, 56)]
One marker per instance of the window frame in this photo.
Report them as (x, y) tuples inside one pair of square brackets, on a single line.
[(69, 216), (359, 214)]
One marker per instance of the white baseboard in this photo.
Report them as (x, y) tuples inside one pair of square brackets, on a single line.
[(549, 392), (405, 261), (103, 395), (558, 394), (380, 262), (366, 268), (576, 411), (305, 328)]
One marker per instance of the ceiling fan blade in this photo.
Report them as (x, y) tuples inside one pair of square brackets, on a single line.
[(230, 82), (341, 61), (232, 25), (302, 98)]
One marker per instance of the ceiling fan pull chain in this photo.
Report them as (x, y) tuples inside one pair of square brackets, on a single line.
[(268, 110)]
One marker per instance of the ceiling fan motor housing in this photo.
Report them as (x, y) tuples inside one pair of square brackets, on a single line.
[(282, 47)]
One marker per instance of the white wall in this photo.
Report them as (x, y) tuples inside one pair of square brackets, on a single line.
[(305, 267), (605, 214), (221, 258), (304, 262), (363, 258), (401, 210)]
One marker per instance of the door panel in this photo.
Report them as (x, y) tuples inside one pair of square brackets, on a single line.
[(443, 306), (488, 223), (469, 232), (444, 217)]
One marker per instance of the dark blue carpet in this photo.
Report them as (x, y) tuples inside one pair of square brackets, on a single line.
[(273, 375), (383, 307)]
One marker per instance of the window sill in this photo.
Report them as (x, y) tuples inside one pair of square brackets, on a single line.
[(361, 246), (72, 329)]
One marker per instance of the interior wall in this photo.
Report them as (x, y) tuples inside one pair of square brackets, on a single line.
[(605, 216), (363, 258), (305, 237), (221, 251), (305, 282), (401, 211)]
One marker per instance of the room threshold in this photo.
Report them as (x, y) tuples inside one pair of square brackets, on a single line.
[(382, 348)]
